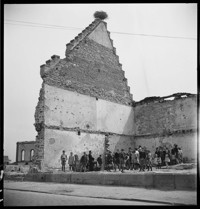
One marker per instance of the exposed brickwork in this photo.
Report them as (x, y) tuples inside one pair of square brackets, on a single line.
[(39, 148), (39, 111), (91, 70), (39, 126)]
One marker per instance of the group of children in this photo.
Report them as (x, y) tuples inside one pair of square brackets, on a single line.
[(138, 159), (164, 156)]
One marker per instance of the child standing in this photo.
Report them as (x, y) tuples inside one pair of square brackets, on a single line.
[(159, 162), (180, 155), (149, 160), (122, 160), (155, 160), (167, 158), (142, 157), (76, 163), (137, 161), (71, 161), (63, 158)]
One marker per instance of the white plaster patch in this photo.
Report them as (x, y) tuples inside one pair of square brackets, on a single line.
[(100, 36)]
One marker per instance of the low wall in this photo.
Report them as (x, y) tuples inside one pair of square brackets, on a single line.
[(17, 168), (169, 181)]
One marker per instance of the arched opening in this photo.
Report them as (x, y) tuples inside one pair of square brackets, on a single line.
[(31, 154), (22, 156)]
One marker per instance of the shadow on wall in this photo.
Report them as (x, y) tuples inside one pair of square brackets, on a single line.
[(123, 141), (93, 142)]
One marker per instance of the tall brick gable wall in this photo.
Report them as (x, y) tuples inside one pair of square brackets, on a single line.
[(93, 70)]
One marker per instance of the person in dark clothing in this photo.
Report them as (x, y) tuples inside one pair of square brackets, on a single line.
[(109, 161), (142, 156), (122, 160), (176, 153), (99, 161), (173, 158), (145, 161), (157, 152), (76, 163), (116, 160), (91, 161), (159, 155), (162, 155), (129, 160), (83, 162)]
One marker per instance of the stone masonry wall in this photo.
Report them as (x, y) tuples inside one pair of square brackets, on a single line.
[(166, 116), (161, 122)]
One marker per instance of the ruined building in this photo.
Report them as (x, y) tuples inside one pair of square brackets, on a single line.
[(25, 152), (85, 96)]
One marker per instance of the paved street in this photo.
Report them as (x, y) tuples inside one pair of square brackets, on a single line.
[(21, 198), (91, 194)]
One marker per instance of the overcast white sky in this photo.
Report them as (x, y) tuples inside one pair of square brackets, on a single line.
[(154, 66)]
